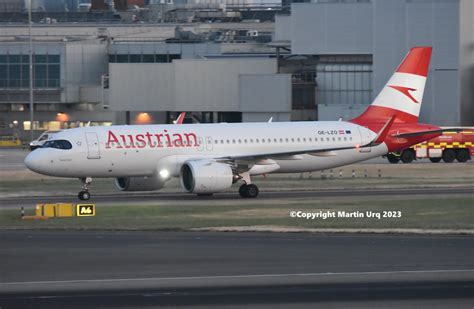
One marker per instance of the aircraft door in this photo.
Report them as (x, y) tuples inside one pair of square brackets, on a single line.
[(209, 145), (365, 138), (200, 143), (93, 150)]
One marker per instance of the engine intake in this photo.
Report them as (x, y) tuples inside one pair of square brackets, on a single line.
[(205, 176), (139, 183)]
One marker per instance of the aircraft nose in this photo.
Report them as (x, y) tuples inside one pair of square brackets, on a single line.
[(33, 161)]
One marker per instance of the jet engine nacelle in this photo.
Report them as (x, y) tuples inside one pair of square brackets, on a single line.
[(139, 183), (206, 176)]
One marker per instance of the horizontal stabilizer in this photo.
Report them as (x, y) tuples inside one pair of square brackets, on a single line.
[(411, 134)]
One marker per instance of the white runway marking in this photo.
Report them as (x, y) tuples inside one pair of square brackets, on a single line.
[(243, 276)]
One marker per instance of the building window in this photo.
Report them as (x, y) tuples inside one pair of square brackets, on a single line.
[(148, 58), (136, 58), (122, 58), (344, 79), (14, 71), (143, 58)]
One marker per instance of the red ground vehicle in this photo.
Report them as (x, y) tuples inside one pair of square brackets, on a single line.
[(448, 147)]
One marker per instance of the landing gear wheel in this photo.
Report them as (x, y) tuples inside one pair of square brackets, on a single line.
[(248, 191), (407, 156), (84, 195), (462, 155), (252, 191), (393, 158), (448, 155), (243, 191), (435, 160)]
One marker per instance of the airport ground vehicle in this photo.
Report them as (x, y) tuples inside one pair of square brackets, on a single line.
[(45, 136), (9, 141), (448, 147)]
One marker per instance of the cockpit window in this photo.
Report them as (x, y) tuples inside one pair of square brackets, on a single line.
[(58, 144)]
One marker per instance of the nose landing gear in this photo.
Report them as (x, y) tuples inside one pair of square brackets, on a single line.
[(84, 195)]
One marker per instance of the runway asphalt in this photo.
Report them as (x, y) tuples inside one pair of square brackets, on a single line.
[(140, 197), (74, 269)]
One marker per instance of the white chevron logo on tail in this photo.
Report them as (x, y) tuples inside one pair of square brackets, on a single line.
[(405, 91), (401, 92), (402, 95)]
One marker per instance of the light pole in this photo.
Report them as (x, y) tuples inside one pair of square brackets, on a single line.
[(30, 55)]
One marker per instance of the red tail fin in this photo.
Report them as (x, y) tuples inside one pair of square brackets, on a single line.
[(402, 95)]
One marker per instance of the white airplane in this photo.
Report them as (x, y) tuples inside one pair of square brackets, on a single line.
[(209, 158)]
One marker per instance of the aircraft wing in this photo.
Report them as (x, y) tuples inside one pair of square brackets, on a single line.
[(328, 151), (290, 155)]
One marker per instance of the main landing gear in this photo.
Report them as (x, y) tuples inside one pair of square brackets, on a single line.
[(84, 195), (248, 190)]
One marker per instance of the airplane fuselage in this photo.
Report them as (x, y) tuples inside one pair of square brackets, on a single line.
[(144, 150)]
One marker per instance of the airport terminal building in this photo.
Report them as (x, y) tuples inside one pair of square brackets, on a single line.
[(325, 60)]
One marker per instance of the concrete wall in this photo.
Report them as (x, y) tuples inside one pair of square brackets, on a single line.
[(141, 86), (282, 28), (331, 28), (213, 85), (84, 64), (205, 85), (265, 92)]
